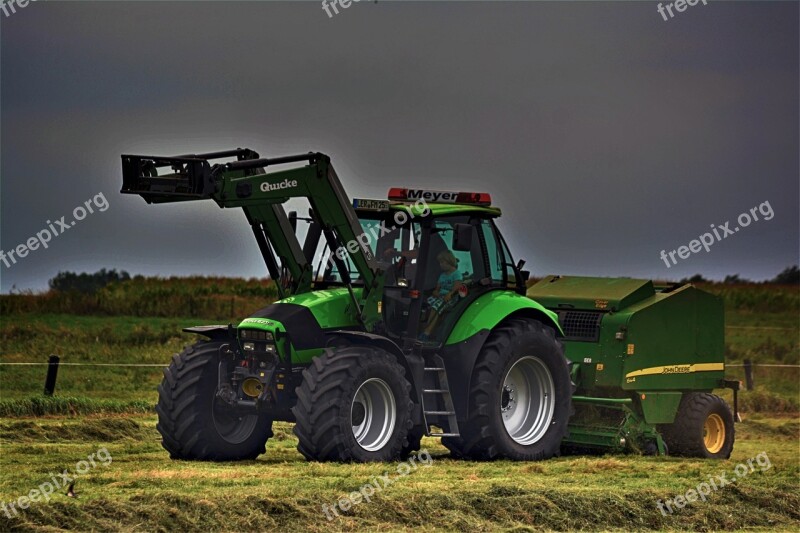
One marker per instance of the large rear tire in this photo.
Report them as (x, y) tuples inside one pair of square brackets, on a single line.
[(520, 396), (354, 405), (193, 423), (703, 427)]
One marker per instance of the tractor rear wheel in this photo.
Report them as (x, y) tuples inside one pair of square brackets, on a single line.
[(520, 397), (354, 405), (196, 425), (703, 427)]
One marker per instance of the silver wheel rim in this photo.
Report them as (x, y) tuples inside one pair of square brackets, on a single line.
[(373, 414), (527, 400)]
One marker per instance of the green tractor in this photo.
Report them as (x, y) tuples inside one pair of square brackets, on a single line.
[(407, 316)]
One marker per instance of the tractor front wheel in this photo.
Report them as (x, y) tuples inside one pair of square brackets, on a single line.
[(196, 425), (354, 405)]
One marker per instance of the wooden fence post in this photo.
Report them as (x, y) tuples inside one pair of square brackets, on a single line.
[(748, 374), (52, 374)]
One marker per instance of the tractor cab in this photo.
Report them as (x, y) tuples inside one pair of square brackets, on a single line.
[(438, 251)]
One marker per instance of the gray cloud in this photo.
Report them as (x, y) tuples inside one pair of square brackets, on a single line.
[(604, 133)]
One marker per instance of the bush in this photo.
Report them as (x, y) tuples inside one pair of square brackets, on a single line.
[(789, 276), (84, 282), (759, 401)]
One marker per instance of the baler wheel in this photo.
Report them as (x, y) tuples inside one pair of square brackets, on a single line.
[(703, 427)]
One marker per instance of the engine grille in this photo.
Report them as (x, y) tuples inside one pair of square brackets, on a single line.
[(580, 325)]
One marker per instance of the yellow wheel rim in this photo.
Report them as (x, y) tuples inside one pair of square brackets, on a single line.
[(714, 433)]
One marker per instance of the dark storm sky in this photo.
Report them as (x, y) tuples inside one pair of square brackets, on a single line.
[(604, 133)]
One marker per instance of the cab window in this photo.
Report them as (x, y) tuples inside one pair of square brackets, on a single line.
[(500, 262)]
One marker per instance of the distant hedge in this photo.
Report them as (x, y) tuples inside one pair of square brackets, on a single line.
[(85, 282), (109, 292), (212, 298)]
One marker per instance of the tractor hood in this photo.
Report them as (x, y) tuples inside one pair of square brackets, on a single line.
[(330, 309)]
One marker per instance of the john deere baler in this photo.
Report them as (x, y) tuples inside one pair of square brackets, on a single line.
[(644, 357)]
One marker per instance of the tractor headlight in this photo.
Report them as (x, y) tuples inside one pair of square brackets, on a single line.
[(256, 335), (255, 341)]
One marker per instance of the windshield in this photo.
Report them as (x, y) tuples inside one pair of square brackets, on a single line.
[(392, 245)]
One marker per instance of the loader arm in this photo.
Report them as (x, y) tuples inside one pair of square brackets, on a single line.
[(245, 183)]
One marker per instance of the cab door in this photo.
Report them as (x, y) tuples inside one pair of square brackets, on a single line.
[(472, 271)]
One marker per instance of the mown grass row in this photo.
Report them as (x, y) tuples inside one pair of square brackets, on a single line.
[(762, 400), (70, 406), (141, 489), (142, 400), (503, 507)]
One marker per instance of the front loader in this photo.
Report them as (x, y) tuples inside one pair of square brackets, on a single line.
[(407, 316)]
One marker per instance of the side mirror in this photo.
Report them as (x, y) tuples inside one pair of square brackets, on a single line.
[(462, 237)]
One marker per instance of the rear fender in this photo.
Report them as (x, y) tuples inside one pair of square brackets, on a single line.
[(488, 310), (460, 352)]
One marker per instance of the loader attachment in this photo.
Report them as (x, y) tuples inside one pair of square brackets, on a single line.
[(174, 179), (241, 180)]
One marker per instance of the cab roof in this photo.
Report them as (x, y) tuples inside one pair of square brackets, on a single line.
[(437, 209), (449, 209), (440, 203)]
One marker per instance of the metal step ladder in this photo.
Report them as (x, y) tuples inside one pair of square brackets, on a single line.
[(436, 379)]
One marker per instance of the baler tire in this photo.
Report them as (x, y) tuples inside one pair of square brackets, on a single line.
[(484, 435), (325, 400), (686, 436), (187, 419)]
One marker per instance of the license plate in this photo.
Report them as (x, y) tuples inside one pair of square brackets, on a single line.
[(371, 205)]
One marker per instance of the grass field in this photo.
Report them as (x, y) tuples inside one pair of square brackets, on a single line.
[(141, 489)]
